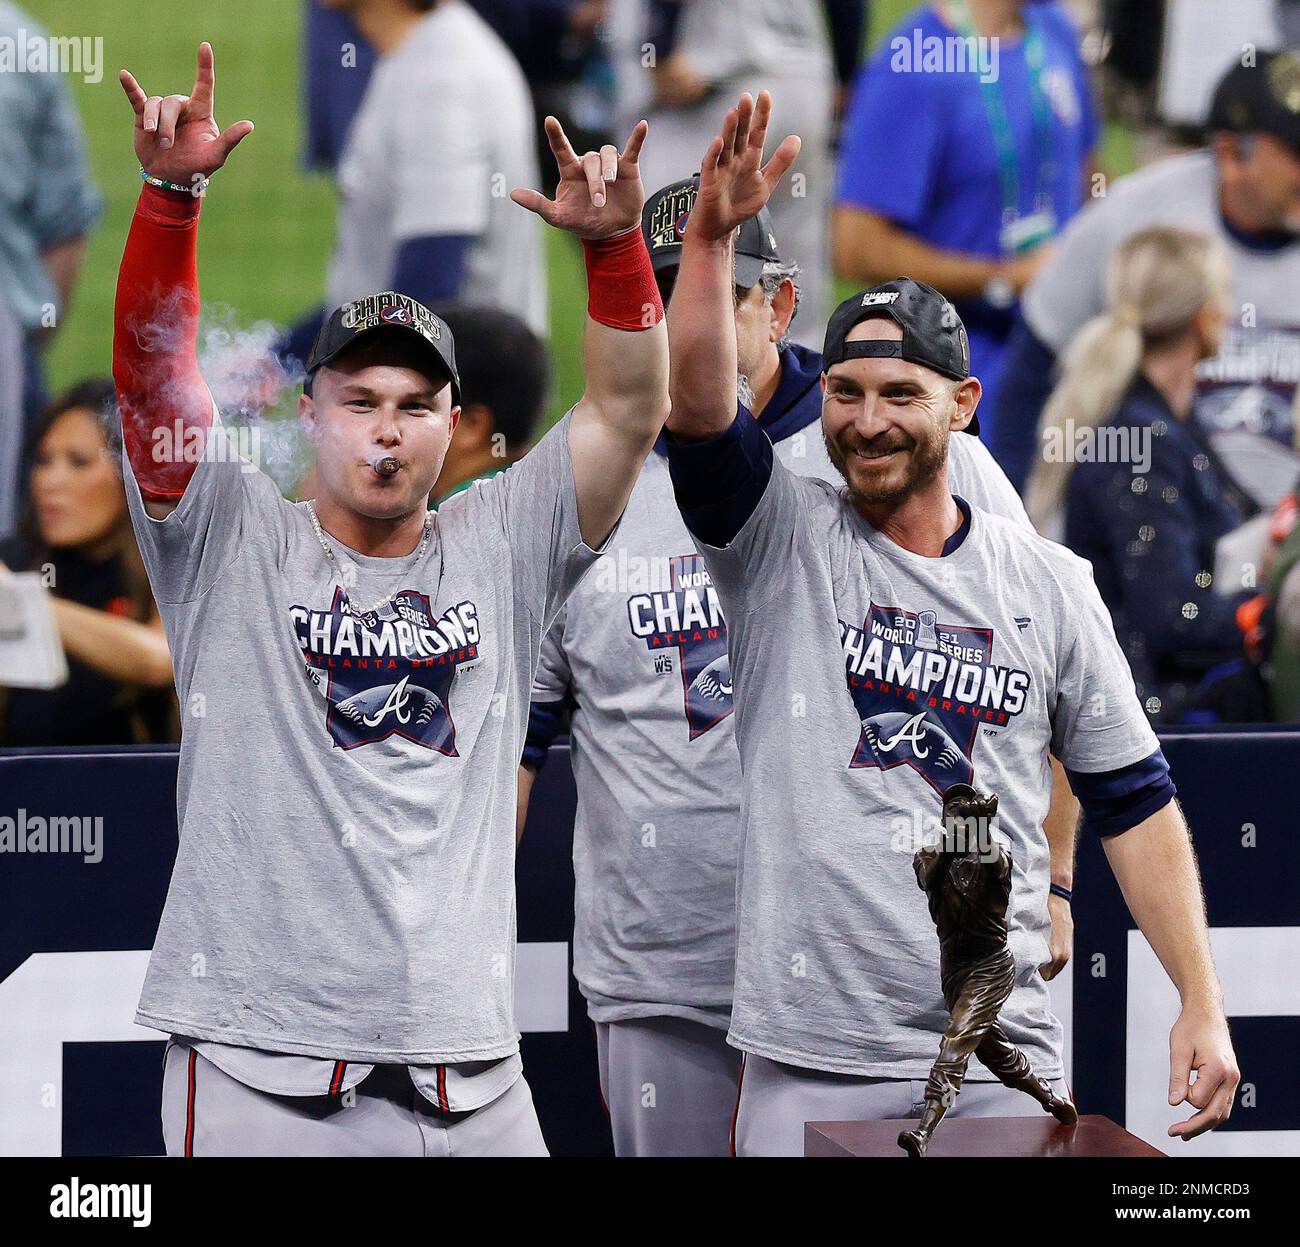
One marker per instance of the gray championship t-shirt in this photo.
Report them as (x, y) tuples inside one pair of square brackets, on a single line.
[(344, 885), (1245, 395), (641, 648), (445, 131), (867, 680)]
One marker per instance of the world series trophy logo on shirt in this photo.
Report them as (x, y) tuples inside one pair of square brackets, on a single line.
[(967, 880), (926, 633)]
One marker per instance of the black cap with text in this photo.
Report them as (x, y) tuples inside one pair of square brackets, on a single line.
[(933, 335), (388, 312), (663, 224)]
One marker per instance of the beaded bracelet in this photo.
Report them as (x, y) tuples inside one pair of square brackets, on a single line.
[(199, 187)]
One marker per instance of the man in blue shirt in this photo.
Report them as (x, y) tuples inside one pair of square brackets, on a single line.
[(965, 149)]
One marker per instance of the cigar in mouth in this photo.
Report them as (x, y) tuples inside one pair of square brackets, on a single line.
[(387, 466)]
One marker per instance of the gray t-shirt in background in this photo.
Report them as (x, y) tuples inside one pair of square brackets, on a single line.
[(444, 133), (641, 647), (344, 885), (1246, 394), (867, 680)]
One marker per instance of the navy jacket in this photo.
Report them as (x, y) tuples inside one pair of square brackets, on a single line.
[(1150, 538)]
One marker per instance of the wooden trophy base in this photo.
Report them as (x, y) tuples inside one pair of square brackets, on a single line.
[(978, 1136)]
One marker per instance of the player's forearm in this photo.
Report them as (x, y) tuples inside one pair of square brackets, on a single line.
[(525, 790), (702, 340), (155, 325), (1156, 870), (867, 248), (625, 345), (627, 378), (625, 363), (1061, 827)]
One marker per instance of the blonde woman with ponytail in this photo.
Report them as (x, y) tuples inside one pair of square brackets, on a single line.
[(1125, 475)]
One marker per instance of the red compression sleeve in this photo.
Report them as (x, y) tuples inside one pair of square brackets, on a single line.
[(155, 322), (621, 290)]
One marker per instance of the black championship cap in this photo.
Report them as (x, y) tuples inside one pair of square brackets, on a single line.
[(1263, 98), (933, 334), (390, 312), (663, 223)]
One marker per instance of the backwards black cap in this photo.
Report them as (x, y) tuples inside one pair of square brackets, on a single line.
[(389, 312), (1262, 98), (933, 334), (663, 223)]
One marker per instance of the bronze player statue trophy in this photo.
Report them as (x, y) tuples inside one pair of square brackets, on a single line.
[(967, 879)]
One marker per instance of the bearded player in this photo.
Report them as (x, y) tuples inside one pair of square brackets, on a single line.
[(335, 958), (888, 640), (639, 657)]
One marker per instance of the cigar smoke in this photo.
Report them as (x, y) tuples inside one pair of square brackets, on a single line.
[(255, 390)]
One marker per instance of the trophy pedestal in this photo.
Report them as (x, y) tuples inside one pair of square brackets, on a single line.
[(977, 1136)]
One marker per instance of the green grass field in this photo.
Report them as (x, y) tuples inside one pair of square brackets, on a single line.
[(267, 226)]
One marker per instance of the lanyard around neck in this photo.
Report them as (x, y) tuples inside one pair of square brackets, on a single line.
[(1004, 143)]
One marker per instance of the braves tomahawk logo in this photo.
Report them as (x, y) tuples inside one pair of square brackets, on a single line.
[(922, 689), (687, 616), (388, 673)]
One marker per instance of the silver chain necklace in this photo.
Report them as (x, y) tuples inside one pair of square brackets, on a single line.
[(358, 611)]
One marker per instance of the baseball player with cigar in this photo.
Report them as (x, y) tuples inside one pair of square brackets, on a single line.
[(638, 657), (334, 961), (887, 640)]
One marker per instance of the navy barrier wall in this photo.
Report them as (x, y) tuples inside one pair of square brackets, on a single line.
[(78, 1077)]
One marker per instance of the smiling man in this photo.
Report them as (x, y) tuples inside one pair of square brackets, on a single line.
[(888, 640), (335, 958)]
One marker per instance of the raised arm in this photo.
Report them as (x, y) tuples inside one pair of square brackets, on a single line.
[(734, 185), (625, 346), (155, 318)]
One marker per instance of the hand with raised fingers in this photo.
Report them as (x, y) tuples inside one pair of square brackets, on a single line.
[(176, 136), (734, 182), (599, 194)]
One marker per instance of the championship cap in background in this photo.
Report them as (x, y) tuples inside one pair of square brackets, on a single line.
[(663, 223), (1263, 98), (388, 312), (933, 334)]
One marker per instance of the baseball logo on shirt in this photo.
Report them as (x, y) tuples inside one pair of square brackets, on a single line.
[(389, 673), (922, 689), (688, 616)]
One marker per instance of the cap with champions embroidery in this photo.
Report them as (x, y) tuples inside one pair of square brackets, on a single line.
[(933, 334), (663, 223), (391, 312)]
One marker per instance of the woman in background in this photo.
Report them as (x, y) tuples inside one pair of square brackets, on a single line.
[(1127, 478), (77, 533)]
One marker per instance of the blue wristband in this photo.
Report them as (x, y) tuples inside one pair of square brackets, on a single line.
[(1057, 890)]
